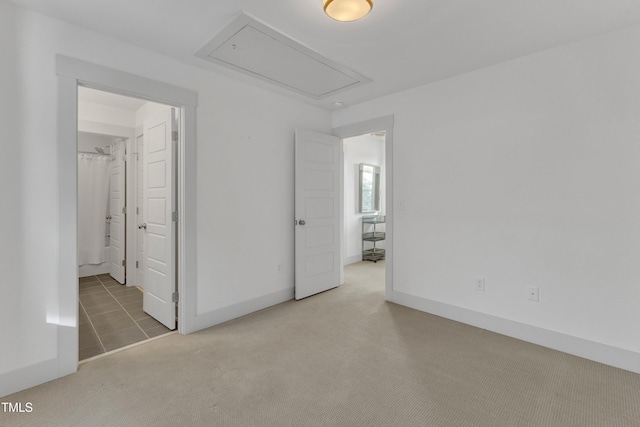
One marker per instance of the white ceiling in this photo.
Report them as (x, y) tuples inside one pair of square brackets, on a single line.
[(401, 44)]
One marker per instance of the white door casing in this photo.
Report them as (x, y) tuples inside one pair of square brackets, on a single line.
[(317, 213), (70, 73), (116, 211), (140, 243), (160, 230)]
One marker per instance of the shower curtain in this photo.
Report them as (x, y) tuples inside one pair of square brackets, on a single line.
[(93, 197)]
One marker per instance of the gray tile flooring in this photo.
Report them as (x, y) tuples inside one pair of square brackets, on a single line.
[(111, 316)]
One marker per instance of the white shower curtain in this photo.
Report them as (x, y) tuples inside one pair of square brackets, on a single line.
[(93, 197)]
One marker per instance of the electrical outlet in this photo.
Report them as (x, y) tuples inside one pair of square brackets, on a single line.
[(279, 267), (533, 293), (479, 283)]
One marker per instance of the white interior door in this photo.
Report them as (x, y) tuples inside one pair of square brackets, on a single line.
[(140, 236), (117, 206), (317, 213), (160, 230)]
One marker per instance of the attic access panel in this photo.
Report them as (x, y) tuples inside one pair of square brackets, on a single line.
[(252, 48)]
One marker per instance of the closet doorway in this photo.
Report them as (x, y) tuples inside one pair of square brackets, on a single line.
[(127, 233)]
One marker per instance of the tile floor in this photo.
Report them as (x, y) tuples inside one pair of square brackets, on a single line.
[(111, 316)]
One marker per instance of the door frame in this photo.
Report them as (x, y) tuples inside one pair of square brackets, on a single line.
[(384, 123), (71, 73)]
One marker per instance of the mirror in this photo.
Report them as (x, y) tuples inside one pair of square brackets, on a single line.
[(369, 188)]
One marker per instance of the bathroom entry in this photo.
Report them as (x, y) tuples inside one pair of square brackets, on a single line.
[(139, 232)]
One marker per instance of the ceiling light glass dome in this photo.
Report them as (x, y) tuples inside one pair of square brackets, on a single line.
[(347, 10)]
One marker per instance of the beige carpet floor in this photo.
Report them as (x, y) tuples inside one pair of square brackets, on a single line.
[(342, 358)]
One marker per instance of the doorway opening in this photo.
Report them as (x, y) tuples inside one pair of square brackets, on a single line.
[(364, 234), (368, 143), (73, 73), (127, 231), (319, 207)]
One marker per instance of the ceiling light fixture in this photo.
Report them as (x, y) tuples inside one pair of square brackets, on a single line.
[(347, 10)]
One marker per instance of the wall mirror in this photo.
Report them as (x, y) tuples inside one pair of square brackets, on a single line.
[(369, 188)]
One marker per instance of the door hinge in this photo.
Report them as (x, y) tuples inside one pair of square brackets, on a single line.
[(124, 210), (136, 264), (174, 136), (123, 262), (137, 211), (175, 297), (174, 216)]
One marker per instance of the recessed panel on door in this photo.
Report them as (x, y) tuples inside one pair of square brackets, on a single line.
[(157, 140), (319, 236), (157, 174), (319, 208), (317, 265), (319, 180), (318, 152), (157, 212)]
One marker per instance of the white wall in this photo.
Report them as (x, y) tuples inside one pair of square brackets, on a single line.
[(359, 149), (106, 119), (19, 280), (106, 114), (245, 162), (527, 174), (148, 110), (88, 142)]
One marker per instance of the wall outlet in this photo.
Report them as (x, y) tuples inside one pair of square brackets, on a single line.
[(279, 267), (479, 284), (533, 293)]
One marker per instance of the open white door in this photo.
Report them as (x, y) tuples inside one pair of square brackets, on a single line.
[(317, 213), (159, 199), (116, 211)]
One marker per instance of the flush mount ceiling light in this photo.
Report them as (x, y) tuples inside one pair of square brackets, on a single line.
[(347, 10)]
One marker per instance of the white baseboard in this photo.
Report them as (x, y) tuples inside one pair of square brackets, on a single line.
[(231, 312), (29, 376), (93, 269), (603, 353), (353, 259)]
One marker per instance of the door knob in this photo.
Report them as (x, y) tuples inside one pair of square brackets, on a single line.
[(301, 222), (141, 226)]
